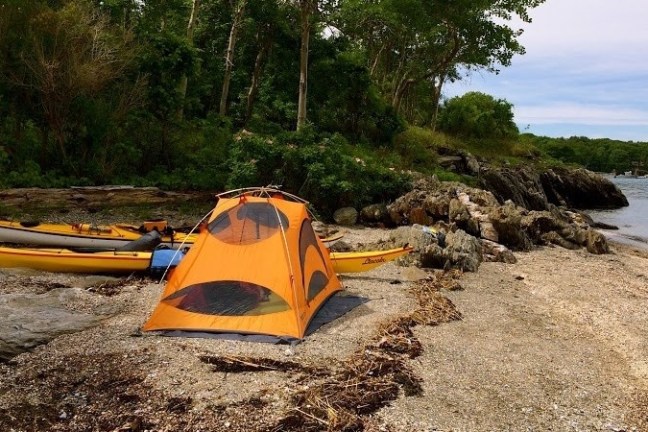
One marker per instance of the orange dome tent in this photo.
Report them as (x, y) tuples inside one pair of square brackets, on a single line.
[(257, 268)]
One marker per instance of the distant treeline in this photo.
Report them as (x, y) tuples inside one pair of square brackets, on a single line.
[(600, 155)]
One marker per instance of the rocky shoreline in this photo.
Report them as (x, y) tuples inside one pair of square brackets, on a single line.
[(456, 338)]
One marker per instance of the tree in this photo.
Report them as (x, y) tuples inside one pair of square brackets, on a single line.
[(306, 9), (238, 9), (407, 42), (184, 80), (71, 56), (269, 18), (478, 115)]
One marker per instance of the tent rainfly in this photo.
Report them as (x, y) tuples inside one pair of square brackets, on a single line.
[(257, 268)]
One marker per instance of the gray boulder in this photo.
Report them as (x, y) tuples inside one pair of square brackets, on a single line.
[(462, 251), (495, 252), (29, 320), (345, 216), (374, 214), (507, 221), (552, 237), (596, 243), (420, 238)]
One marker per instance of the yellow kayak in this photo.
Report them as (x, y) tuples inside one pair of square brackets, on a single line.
[(86, 235), (357, 262), (68, 261)]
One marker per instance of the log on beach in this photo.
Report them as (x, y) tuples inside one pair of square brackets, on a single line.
[(94, 196)]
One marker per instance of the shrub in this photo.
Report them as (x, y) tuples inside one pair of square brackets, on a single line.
[(254, 160), (331, 177), (478, 115), (321, 169), (417, 146)]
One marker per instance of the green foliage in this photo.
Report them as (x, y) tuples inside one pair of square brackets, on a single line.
[(344, 100), (416, 45), (331, 177), (166, 57), (417, 147), (318, 168), (254, 160), (114, 109), (478, 115), (450, 176)]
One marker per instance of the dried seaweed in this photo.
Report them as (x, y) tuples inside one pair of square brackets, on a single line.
[(114, 287), (369, 380), (434, 308), (179, 405), (374, 375), (238, 364), (397, 337)]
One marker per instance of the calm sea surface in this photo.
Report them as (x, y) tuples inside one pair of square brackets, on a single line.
[(632, 220)]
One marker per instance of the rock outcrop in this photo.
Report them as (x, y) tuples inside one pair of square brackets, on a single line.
[(452, 225), (582, 189), (535, 190), (522, 186)]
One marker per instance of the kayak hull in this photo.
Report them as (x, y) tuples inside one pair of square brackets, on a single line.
[(78, 236), (67, 261)]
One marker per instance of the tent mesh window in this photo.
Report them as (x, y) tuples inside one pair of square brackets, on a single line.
[(227, 298), (248, 223)]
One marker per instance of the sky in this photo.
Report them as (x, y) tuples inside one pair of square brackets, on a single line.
[(585, 71)]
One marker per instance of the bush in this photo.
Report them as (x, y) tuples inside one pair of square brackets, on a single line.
[(478, 115), (417, 146), (255, 160), (321, 169), (334, 178)]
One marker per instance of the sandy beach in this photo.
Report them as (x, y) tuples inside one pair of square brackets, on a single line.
[(554, 342)]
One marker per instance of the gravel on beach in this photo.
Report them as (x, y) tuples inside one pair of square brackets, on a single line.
[(554, 342)]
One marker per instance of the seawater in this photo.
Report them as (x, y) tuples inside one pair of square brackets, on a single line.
[(632, 220)]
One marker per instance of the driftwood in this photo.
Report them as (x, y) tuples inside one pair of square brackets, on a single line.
[(95, 196)]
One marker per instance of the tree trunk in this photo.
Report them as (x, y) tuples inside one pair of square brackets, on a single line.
[(303, 61), (436, 99), (182, 86), (402, 87), (229, 55), (256, 74), (374, 64), (398, 76)]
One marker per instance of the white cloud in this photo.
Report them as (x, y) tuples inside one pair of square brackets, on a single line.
[(586, 25), (581, 114)]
